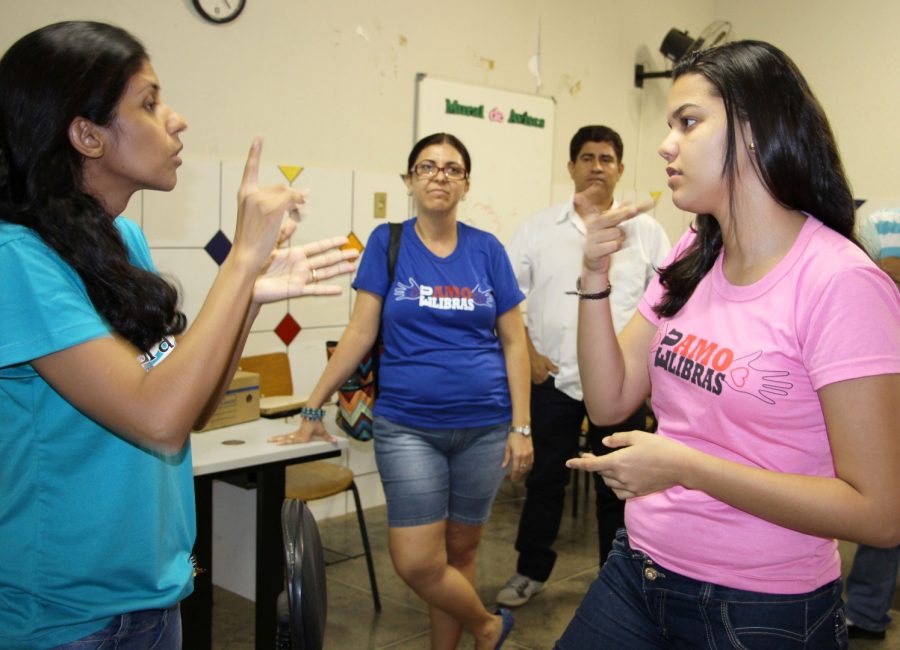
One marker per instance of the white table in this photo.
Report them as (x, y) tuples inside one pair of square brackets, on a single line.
[(233, 452)]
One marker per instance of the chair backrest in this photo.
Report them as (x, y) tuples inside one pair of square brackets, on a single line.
[(304, 563), (274, 373)]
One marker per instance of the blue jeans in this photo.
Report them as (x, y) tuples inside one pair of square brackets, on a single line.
[(634, 603), (152, 629), (871, 586), (430, 475)]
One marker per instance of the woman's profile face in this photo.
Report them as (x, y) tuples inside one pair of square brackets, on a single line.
[(142, 144), (694, 149), (442, 190)]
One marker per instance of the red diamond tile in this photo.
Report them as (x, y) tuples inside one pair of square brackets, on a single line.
[(287, 329)]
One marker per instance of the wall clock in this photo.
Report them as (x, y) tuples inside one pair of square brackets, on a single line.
[(219, 11)]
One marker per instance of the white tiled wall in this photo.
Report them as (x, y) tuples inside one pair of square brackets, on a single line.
[(179, 224)]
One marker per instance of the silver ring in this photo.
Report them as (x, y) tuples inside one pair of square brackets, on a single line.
[(314, 275)]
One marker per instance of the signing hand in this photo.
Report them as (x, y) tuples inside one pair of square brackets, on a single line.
[(308, 430), (603, 236), (261, 212), (299, 270), (519, 455), (645, 463)]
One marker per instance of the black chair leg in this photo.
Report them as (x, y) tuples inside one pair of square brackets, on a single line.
[(365, 539)]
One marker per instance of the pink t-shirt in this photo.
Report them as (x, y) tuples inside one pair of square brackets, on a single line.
[(735, 374)]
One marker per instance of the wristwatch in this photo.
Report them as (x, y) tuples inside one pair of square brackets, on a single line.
[(524, 430)]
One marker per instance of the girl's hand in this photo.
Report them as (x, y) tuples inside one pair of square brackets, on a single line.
[(261, 212), (308, 430), (520, 454), (645, 463), (603, 236), (299, 270)]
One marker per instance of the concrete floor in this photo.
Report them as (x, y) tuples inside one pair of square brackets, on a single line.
[(403, 621)]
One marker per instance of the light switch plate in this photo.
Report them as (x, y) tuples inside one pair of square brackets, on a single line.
[(380, 209)]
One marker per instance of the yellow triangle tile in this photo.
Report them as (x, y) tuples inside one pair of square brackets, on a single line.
[(655, 194), (291, 172), (353, 243)]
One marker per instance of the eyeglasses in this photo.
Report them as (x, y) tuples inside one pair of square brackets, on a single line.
[(429, 169)]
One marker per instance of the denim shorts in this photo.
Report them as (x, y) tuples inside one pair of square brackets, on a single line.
[(431, 475), (151, 629), (637, 604)]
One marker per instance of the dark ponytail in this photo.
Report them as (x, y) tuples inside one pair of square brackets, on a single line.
[(47, 79)]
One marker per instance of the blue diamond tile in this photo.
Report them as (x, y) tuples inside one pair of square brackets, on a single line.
[(218, 247)]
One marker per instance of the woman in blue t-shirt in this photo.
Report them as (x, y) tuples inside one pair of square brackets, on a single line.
[(453, 405), (100, 384)]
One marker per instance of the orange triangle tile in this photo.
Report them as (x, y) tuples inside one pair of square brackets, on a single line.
[(353, 242), (291, 172)]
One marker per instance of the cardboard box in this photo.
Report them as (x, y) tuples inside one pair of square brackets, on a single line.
[(240, 402)]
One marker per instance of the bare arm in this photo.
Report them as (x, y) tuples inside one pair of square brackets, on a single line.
[(225, 379), (860, 504), (158, 408), (357, 339), (613, 369), (514, 341)]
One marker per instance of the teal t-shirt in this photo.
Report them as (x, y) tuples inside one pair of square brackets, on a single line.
[(91, 525)]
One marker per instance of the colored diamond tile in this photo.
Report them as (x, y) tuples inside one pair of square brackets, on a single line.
[(353, 242), (291, 172), (218, 247), (287, 329)]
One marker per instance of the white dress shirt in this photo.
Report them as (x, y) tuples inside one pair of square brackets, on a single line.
[(546, 252)]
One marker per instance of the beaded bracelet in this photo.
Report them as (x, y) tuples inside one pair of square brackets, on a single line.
[(314, 415)]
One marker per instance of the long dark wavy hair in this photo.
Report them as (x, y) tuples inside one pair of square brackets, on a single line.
[(48, 78), (796, 156)]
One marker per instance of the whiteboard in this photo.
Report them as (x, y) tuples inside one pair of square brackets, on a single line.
[(510, 140)]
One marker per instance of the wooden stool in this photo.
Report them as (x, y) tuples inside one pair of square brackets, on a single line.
[(321, 479), (306, 481)]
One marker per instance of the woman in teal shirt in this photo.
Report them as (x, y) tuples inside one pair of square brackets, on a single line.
[(97, 514)]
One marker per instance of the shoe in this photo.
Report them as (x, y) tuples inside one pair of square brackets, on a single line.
[(518, 590), (855, 632), (508, 622)]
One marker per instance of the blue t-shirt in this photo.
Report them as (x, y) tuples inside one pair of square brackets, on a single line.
[(442, 365), (91, 525)]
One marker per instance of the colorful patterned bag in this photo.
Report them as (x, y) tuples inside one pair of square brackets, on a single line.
[(356, 397)]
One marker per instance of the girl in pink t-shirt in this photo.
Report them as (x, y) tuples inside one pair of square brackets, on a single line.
[(772, 346)]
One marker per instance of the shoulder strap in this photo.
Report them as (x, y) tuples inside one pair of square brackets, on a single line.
[(393, 253), (393, 249)]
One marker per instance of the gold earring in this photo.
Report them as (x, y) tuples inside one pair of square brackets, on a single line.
[(752, 147)]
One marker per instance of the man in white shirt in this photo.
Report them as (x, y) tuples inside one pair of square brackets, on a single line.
[(546, 253)]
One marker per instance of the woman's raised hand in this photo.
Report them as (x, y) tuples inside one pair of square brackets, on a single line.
[(299, 270), (261, 211), (603, 235)]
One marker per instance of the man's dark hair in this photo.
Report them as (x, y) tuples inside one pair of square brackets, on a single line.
[(595, 133)]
